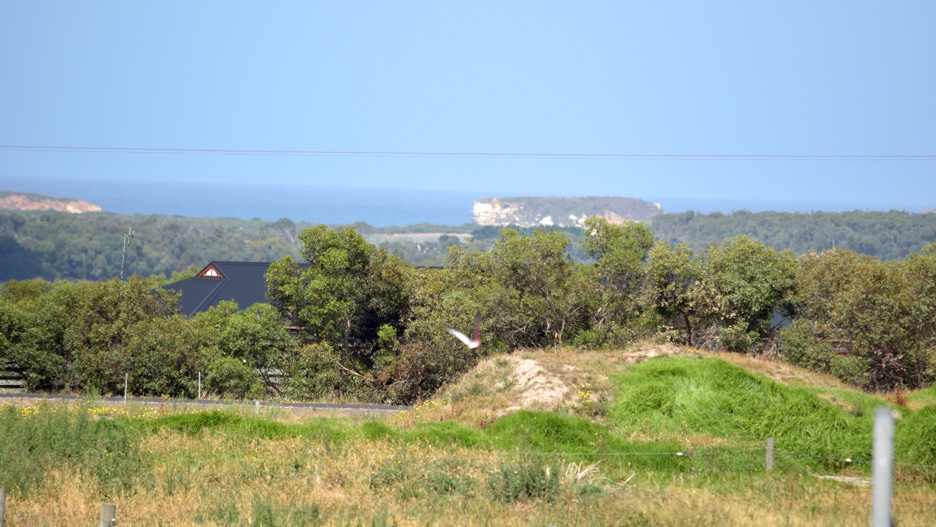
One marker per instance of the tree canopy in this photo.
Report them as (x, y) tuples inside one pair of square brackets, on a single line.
[(348, 318)]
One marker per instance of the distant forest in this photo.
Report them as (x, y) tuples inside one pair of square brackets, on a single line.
[(54, 245), (890, 235)]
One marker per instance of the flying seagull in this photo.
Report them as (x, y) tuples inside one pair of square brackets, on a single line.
[(475, 341)]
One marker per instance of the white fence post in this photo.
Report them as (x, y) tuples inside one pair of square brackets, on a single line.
[(2, 505), (108, 515), (882, 471)]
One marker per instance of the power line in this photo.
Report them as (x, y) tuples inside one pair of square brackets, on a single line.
[(490, 155)]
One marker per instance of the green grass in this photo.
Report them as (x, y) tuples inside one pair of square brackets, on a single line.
[(924, 397), (698, 397), (332, 430), (689, 397), (34, 439), (915, 438), (688, 430), (709, 410)]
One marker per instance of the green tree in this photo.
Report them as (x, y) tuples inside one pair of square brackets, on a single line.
[(46, 313), (871, 310), (676, 294), (751, 282), (620, 253), (726, 297), (99, 335), (526, 288), (243, 352), (345, 293), (81, 335)]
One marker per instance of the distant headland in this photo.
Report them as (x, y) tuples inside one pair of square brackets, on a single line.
[(560, 212), (25, 201)]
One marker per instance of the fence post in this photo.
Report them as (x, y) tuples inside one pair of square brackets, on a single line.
[(199, 385), (882, 471), (2, 505), (108, 515), (768, 461)]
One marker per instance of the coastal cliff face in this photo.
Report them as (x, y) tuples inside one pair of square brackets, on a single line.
[(13, 201), (494, 212), (560, 212)]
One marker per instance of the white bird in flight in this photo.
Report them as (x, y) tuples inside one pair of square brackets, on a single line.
[(475, 341)]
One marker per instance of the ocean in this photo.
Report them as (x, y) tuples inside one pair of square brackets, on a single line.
[(379, 207)]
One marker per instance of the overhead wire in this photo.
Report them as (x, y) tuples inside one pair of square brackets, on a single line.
[(491, 155)]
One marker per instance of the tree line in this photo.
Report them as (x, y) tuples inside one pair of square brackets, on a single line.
[(892, 235), (90, 247), (67, 246), (349, 319)]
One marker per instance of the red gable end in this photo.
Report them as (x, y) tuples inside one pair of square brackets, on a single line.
[(210, 272)]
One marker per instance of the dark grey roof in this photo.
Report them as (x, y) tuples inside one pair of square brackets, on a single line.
[(241, 282)]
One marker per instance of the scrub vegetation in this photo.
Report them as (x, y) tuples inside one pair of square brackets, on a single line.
[(349, 321)]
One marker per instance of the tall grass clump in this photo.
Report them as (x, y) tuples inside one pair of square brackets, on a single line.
[(532, 433), (34, 440), (709, 397), (326, 430), (914, 441), (446, 433), (264, 514), (526, 479)]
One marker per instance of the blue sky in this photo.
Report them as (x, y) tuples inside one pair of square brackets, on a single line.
[(648, 78)]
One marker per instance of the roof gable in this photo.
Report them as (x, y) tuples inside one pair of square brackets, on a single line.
[(241, 282), (209, 272)]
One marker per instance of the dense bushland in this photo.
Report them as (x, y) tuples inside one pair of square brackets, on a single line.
[(892, 235), (366, 325), (91, 247), (58, 245)]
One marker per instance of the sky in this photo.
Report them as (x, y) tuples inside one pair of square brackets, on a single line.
[(718, 105)]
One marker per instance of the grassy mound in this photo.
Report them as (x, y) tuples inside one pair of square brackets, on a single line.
[(700, 398)]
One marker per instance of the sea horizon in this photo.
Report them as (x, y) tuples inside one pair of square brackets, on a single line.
[(334, 205)]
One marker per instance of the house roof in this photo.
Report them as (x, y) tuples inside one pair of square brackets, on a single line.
[(241, 282)]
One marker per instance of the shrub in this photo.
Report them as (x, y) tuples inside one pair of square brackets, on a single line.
[(801, 347), (524, 480), (229, 377)]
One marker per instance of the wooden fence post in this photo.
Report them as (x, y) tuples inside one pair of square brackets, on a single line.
[(2, 505), (768, 460), (108, 515)]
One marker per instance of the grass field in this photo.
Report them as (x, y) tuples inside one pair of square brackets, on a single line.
[(641, 437)]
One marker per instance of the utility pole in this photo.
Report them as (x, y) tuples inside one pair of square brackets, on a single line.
[(127, 239)]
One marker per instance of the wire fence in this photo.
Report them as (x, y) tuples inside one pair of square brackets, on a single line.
[(695, 453)]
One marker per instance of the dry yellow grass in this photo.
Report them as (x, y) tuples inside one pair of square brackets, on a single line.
[(212, 480)]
